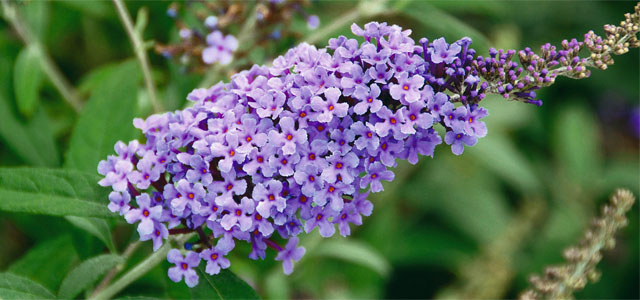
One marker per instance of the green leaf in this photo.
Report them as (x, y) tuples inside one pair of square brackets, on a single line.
[(224, 285), (94, 9), (52, 192), (86, 274), (47, 262), (27, 79), (354, 252), (17, 287), (443, 23), (36, 15), (97, 227), (276, 285), (31, 140), (472, 203), (433, 247), (576, 144), (498, 154), (106, 118)]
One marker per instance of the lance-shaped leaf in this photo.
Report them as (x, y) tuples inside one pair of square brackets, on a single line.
[(224, 285), (17, 287), (52, 192), (87, 273), (106, 118)]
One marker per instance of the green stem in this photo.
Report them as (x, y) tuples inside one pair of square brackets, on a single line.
[(139, 270), (113, 272), (141, 53), (48, 66)]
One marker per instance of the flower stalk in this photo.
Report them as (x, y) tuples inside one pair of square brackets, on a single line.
[(141, 53), (139, 270), (559, 282)]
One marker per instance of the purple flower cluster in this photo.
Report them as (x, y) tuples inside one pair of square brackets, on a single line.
[(294, 146)]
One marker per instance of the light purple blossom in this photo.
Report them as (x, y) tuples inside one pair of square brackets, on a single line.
[(458, 140), (407, 89), (268, 196), (296, 145), (375, 174), (119, 202), (320, 219), (390, 122), (368, 99), (444, 53), (288, 136), (146, 214), (313, 22), (215, 260), (349, 214), (290, 254), (183, 267), (330, 107), (157, 236), (268, 105), (238, 214), (220, 48)]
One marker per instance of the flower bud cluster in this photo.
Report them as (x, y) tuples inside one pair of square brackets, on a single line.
[(519, 81), (559, 282), (295, 146)]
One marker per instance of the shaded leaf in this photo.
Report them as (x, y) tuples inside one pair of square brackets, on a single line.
[(276, 286), (17, 287), (432, 246), (47, 262), (498, 154), (97, 227), (224, 285), (88, 272), (96, 9), (353, 252), (52, 192), (434, 18), (31, 140), (106, 118), (27, 77), (472, 203), (36, 15), (576, 144)]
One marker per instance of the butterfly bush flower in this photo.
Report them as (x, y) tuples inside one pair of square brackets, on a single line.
[(290, 254), (220, 48), (301, 145), (183, 267)]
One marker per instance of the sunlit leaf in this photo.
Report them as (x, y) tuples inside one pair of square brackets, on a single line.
[(52, 192), (224, 285), (353, 252), (17, 287), (97, 227), (27, 77), (86, 273)]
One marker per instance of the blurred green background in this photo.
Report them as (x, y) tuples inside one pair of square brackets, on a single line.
[(459, 227)]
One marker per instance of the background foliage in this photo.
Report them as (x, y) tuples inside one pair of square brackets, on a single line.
[(474, 225)]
